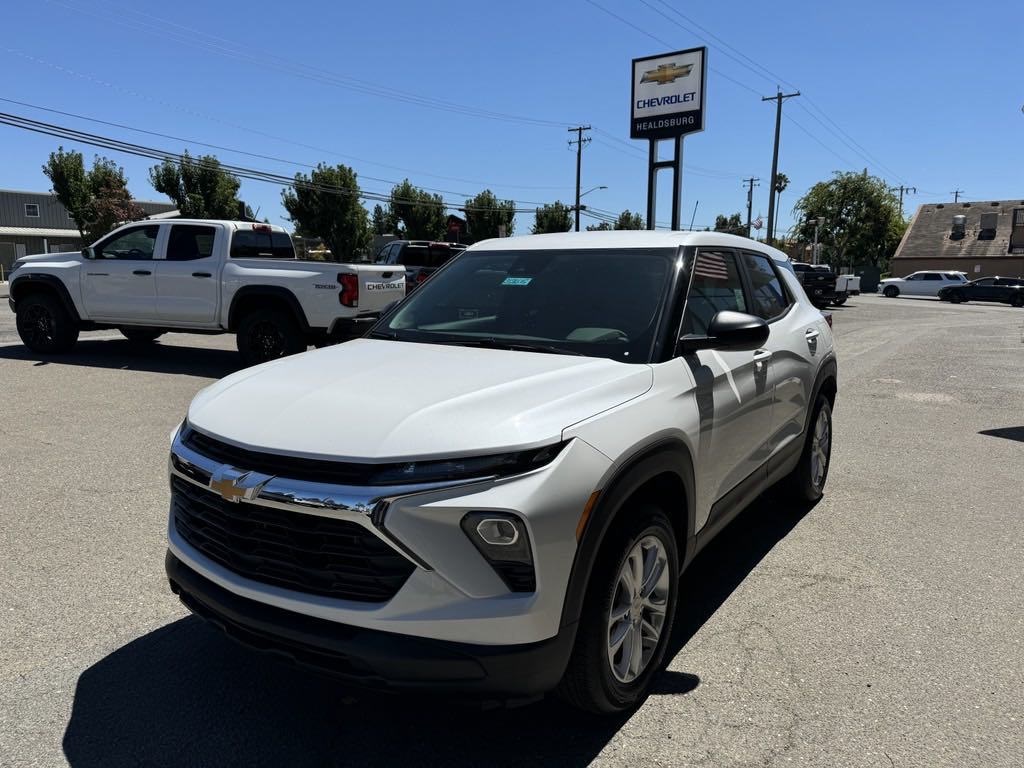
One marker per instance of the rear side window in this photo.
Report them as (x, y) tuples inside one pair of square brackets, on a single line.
[(188, 242), (256, 244), (932, 276), (768, 296), (953, 276), (714, 287)]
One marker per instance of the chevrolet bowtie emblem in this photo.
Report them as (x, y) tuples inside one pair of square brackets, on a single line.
[(666, 73), (235, 488)]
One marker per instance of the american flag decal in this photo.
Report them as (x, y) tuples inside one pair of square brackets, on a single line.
[(711, 266)]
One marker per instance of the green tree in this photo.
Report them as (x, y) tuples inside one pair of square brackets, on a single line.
[(732, 224), (199, 187), (326, 204), (486, 214), (421, 213), (553, 217), (98, 199), (861, 221), (604, 226), (629, 220), (384, 221)]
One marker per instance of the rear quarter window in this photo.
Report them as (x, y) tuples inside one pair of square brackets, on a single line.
[(254, 244)]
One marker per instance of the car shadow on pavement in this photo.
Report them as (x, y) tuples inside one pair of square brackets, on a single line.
[(1008, 433), (186, 695), (123, 354)]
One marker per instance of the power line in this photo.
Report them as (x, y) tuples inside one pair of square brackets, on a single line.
[(202, 115), (152, 153)]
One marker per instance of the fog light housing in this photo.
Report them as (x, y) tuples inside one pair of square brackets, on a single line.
[(502, 539)]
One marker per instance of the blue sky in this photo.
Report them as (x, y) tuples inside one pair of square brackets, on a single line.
[(924, 94)]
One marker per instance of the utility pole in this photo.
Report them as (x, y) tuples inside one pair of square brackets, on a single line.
[(956, 195), (778, 99), (579, 142), (901, 189), (751, 183)]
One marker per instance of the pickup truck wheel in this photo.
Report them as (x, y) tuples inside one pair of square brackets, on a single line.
[(891, 292), (806, 483), (628, 614), (140, 335), (44, 325), (267, 335), (839, 301)]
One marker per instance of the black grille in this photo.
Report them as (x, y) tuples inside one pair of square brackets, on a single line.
[(307, 553)]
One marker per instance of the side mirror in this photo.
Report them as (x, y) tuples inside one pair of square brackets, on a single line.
[(728, 330), (88, 253)]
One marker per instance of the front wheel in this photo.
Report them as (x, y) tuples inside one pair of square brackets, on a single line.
[(891, 291), (956, 297), (627, 616), (807, 481), (44, 325), (141, 335), (267, 335)]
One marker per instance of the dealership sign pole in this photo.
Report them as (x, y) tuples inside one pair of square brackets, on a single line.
[(668, 103)]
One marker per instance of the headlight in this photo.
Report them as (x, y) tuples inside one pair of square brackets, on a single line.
[(495, 465)]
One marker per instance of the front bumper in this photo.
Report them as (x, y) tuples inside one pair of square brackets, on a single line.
[(371, 657)]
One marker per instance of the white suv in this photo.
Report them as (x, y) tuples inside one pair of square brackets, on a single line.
[(924, 283), (497, 489)]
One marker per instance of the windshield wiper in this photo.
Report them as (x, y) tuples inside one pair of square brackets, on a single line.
[(389, 335), (514, 346)]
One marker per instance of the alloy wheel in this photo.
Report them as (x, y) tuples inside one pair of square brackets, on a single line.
[(39, 326), (636, 618), (821, 442), (267, 341)]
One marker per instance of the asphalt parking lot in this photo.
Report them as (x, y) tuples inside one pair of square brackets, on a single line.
[(883, 627)]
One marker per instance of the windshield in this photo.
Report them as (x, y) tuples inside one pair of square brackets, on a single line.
[(600, 303)]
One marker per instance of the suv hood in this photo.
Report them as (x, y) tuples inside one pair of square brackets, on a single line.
[(390, 400)]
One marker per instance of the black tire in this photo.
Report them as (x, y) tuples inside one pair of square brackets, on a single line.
[(141, 335), (1017, 300), (268, 334), (590, 683), (803, 484), (956, 297), (891, 292), (839, 301), (44, 325)]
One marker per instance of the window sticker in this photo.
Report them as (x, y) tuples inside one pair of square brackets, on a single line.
[(517, 281)]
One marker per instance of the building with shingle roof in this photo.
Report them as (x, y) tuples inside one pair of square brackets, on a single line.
[(981, 239)]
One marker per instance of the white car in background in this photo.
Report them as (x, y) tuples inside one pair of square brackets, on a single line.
[(924, 283)]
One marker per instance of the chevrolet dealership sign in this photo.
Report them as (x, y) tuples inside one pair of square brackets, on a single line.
[(668, 95)]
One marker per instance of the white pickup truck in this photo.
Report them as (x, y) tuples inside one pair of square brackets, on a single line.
[(197, 276)]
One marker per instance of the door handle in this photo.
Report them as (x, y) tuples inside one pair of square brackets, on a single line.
[(141, 272), (762, 355), (811, 334), (201, 274)]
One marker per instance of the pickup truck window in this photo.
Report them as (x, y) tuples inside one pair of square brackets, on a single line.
[(253, 244), (189, 242), (137, 243), (601, 303)]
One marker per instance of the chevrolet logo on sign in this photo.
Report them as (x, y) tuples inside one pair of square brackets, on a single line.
[(666, 73)]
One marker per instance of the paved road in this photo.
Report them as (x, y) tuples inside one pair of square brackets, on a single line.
[(881, 628)]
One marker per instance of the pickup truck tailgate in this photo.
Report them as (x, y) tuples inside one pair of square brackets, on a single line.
[(379, 285)]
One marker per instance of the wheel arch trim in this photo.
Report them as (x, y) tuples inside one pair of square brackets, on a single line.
[(24, 285), (274, 292)]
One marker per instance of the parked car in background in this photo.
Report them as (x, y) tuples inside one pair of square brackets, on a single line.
[(1007, 290), (496, 490), (421, 258), (197, 276), (924, 283), (819, 282)]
